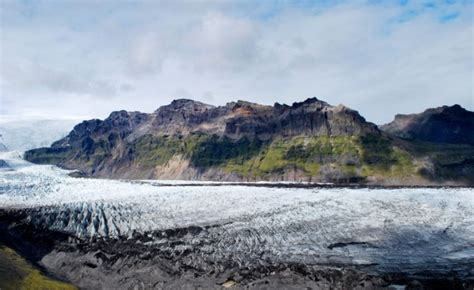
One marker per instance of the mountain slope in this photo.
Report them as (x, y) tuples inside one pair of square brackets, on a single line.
[(447, 124), (241, 141)]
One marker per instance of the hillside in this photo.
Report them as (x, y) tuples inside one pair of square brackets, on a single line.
[(447, 124), (242, 141)]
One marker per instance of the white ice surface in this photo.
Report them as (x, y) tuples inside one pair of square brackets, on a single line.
[(25, 134), (400, 227)]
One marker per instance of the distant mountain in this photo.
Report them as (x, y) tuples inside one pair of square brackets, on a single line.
[(441, 125), (27, 134), (243, 141)]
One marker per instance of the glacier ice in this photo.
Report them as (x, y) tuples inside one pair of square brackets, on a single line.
[(25, 134), (400, 228)]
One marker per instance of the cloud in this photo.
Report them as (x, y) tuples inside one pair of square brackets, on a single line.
[(147, 54), (379, 57), (40, 77), (222, 43), (214, 41)]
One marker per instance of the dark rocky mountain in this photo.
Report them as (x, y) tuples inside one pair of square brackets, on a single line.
[(243, 141), (441, 125)]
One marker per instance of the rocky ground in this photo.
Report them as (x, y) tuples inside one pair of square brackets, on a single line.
[(135, 263), (160, 260)]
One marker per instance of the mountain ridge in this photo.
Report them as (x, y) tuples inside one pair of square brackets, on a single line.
[(243, 141), (446, 124)]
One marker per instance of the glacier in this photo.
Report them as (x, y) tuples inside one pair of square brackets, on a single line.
[(386, 229), (18, 133)]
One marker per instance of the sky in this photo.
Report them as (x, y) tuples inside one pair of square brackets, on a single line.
[(84, 59)]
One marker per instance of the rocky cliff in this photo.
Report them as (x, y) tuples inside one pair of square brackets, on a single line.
[(447, 124), (243, 141)]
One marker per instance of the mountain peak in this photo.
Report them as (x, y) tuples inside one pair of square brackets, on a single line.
[(310, 102), (456, 108), (446, 124), (186, 105), (118, 114), (184, 102)]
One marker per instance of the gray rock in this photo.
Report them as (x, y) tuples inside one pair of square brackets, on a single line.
[(445, 124)]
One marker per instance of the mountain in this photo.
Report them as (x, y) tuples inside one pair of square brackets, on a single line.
[(243, 141), (24, 134), (441, 125)]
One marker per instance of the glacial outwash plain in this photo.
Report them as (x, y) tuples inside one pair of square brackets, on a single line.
[(243, 196)]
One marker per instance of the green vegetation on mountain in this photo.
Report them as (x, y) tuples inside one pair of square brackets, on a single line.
[(381, 157), (49, 155), (447, 161), (202, 150), (303, 153), (353, 156), (215, 151), (152, 151)]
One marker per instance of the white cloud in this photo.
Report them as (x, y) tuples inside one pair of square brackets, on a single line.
[(222, 43), (147, 53), (378, 59)]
